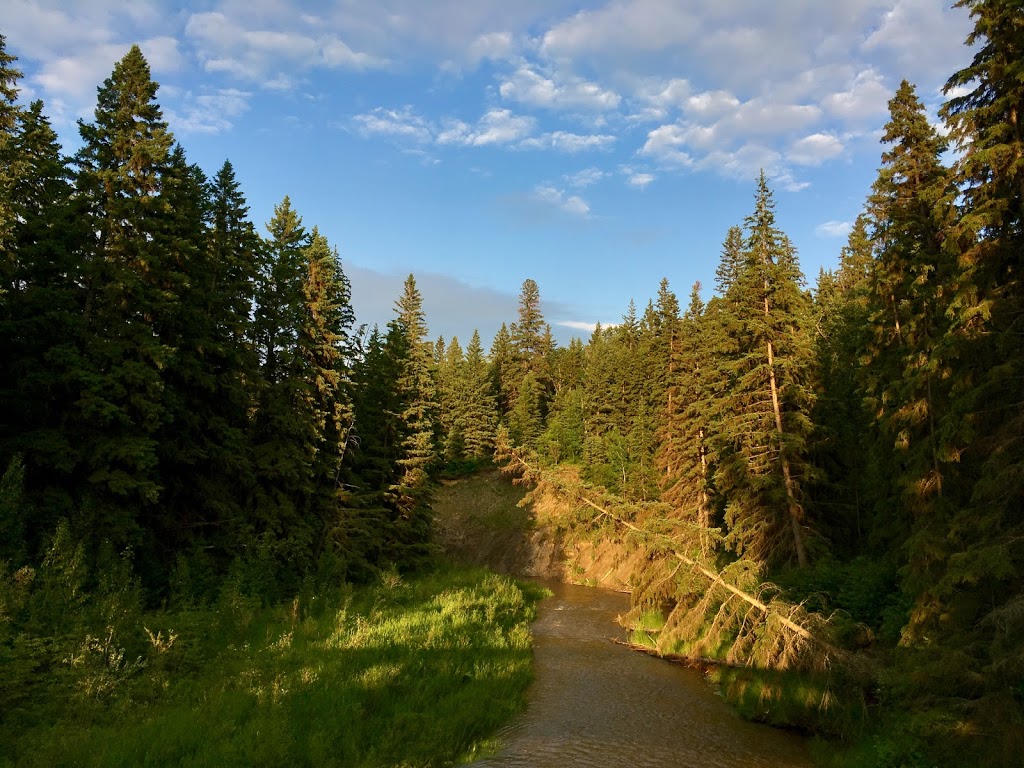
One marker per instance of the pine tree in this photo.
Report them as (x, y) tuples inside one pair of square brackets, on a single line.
[(504, 370), (284, 438), (683, 454), (532, 344), (844, 450), (763, 416), (450, 366), (41, 305), (131, 287), (325, 346), (416, 387), (478, 411), (9, 159), (908, 371)]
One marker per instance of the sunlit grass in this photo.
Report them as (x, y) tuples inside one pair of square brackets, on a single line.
[(405, 673)]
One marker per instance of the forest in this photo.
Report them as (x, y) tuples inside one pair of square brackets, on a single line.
[(827, 482)]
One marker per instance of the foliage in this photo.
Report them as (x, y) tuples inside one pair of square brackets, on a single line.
[(414, 671)]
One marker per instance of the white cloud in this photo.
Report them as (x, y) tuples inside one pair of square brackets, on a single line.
[(636, 25), (833, 229), (585, 178), (640, 180), (664, 93), (573, 204), (224, 44), (493, 45), (865, 98), (563, 141), (667, 144), (814, 149), (210, 112), (919, 35), (399, 123), (558, 91), (580, 325), (498, 126), (710, 104)]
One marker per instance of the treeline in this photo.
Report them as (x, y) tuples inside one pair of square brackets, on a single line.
[(177, 388)]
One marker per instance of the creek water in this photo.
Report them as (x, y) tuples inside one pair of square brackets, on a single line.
[(597, 704)]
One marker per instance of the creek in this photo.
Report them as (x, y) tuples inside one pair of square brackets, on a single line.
[(597, 704)]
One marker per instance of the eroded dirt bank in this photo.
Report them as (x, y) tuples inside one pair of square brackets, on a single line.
[(479, 522)]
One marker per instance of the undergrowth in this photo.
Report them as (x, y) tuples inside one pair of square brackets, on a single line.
[(410, 671)]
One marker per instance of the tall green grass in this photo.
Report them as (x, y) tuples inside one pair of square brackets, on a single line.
[(414, 671)]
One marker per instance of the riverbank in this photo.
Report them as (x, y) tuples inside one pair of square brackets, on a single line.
[(411, 671)]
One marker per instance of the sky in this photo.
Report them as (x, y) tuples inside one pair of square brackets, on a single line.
[(595, 147)]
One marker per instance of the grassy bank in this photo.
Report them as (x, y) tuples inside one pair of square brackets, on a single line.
[(414, 671)]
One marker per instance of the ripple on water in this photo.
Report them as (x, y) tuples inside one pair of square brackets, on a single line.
[(597, 704)]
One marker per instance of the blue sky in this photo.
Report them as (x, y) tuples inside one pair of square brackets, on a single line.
[(595, 147)]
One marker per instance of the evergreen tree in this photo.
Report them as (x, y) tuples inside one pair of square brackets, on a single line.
[(132, 285), (325, 346), (478, 409), (852, 472), (504, 370), (683, 455), (284, 437), (763, 416), (9, 158), (41, 304), (908, 371), (416, 387)]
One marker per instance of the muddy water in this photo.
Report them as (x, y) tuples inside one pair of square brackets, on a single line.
[(600, 705)]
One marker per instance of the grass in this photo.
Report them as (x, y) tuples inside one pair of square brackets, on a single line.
[(416, 672)]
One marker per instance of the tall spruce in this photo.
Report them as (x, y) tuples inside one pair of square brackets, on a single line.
[(763, 416), (417, 388), (682, 453), (132, 284), (908, 373)]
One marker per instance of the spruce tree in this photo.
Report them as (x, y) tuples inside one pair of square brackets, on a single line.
[(908, 372), (132, 284), (9, 160), (853, 475), (763, 415), (41, 304), (417, 390), (683, 454), (504, 370), (478, 410)]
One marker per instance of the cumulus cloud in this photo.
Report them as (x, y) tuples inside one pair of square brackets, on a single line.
[(399, 123), (865, 98), (497, 126), (210, 112), (919, 36), (636, 25), (563, 141), (572, 204), (493, 45), (579, 325), (639, 180), (667, 144), (225, 45), (528, 86), (814, 149), (585, 178), (833, 229)]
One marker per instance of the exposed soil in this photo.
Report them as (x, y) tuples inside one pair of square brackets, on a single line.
[(480, 521)]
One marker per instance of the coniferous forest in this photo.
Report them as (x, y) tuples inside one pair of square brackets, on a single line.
[(826, 483)]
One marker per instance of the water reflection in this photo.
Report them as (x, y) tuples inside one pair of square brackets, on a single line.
[(595, 703)]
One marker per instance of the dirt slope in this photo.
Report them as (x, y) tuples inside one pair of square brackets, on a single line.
[(479, 521)]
